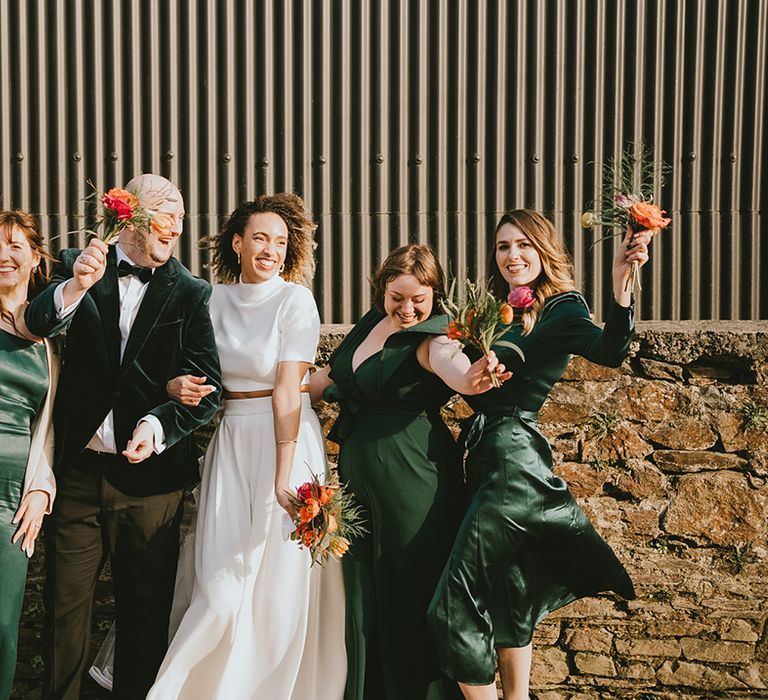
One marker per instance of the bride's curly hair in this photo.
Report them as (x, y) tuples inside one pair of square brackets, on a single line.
[(556, 264), (299, 257)]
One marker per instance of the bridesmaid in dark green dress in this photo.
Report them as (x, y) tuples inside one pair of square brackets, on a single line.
[(26, 482), (525, 548), (401, 463)]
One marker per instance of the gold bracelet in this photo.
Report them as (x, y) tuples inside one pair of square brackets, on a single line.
[(284, 442)]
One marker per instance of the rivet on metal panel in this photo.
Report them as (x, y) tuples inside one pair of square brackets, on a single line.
[(418, 160), (476, 158), (265, 162), (535, 158), (113, 156), (227, 158), (169, 155), (321, 160), (691, 156), (575, 158), (379, 158), (19, 157), (77, 157), (733, 157)]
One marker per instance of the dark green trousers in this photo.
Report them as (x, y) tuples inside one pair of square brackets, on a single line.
[(91, 521), (13, 564)]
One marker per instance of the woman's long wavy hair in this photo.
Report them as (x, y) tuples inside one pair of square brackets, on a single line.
[(412, 259), (27, 224), (299, 257), (556, 264)]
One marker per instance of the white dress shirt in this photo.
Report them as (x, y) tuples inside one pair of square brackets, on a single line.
[(131, 290)]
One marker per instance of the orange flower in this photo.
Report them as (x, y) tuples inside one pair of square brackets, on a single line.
[(506, 313), (309, 511), (454, 332), (308, 537), (326, 495), (649, 216), (160, 224), (124, 196), (332, 524), (339, 546)]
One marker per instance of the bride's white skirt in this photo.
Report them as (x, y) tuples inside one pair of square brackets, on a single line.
[(261, 623)]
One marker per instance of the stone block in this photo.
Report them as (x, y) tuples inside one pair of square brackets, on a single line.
[(685, 434), (549, 666), (754, 675), (676, 628), (639, 671), (641, 480), (645, 400), (722, 652), (730, 429), (721, 508), (737, 630), (595, 664), (547, 633), (682, 673), (648, 647), (661, 370), (583, 479), (689, 461), (621, 443), (580, 369), (589, 639)]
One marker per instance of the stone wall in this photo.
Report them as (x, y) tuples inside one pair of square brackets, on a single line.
[(668, 455)]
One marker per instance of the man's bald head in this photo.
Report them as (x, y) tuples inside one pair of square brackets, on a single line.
[(154, 190)]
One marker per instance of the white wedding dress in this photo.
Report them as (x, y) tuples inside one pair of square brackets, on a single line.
[(261, 624)]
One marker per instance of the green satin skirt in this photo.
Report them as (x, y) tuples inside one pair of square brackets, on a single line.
[(524, 549)]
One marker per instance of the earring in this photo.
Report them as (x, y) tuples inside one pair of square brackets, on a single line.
[(281, 268), (238, 260)]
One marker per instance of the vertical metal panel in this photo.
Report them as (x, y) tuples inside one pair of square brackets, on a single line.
[(403, 120)]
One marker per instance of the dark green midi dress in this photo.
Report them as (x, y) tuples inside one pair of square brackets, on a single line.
[(23, 383), (524, 548), (401, 463)]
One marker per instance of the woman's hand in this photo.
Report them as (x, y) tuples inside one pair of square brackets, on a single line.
[(633, 249), (188, 390), (30, 513), (282, 494), (479, 374)]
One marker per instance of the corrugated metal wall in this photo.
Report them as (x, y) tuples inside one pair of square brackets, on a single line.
[(403, 120)]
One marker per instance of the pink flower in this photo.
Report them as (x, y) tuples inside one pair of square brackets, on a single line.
[(625, 201), (521, 297)]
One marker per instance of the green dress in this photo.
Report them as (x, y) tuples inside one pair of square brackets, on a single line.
[(23, 383), (524, 548), (402, 464)]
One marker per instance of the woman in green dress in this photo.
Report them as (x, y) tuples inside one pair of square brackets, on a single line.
[(525, 548), (27, 486), (402, 464)]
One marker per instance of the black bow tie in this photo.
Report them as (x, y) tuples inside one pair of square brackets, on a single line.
[(143, 273)]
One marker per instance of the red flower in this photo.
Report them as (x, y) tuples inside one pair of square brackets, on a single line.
[(122, 209), (521, 297), (649, 216), (304, 492)]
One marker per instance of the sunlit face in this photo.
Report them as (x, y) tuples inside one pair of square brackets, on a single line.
[(153, 247), (17, 259), (407, 301), (518, 261), (262, 246)]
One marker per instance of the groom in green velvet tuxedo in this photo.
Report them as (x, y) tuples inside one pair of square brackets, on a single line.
[(134, 318)]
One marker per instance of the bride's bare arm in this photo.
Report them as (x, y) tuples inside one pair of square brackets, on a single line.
[(286, 407), (445, 358), (318, 381)]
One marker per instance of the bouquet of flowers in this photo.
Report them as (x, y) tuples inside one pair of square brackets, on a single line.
[(326, 519), (626, 198), (479, 320), (123, 209)]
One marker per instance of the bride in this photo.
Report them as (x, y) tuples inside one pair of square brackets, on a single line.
[(261, 623)]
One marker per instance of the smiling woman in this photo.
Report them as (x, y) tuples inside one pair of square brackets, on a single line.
[(27, 485)]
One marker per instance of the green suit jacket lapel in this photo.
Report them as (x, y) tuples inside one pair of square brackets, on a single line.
[(156, 298), (107, 299)]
